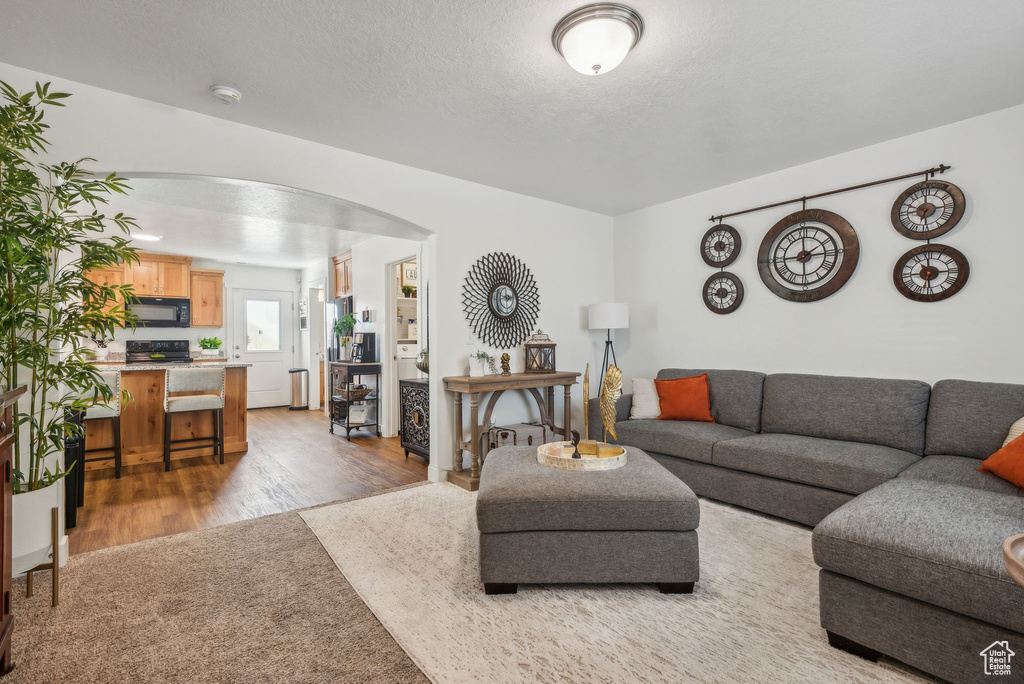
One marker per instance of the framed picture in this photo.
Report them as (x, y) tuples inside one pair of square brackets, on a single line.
[(410, 274), (303, 314)]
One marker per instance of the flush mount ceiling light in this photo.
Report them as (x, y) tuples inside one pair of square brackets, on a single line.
[(225, 94), (146, 237), (596, 38)]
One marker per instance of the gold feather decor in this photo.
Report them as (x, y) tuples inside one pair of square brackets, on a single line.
[(611, 390)]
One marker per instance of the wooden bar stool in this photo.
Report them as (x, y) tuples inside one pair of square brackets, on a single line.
[(205, 388), (109, 411)]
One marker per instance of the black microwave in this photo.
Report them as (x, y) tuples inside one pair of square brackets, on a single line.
[(162, 312)]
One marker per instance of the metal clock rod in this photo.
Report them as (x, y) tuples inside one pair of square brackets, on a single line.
[(941, 168)]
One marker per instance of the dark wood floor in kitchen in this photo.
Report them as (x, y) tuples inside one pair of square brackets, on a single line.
[(292, 463)]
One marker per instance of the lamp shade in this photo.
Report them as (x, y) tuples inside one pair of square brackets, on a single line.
[(605, 316)]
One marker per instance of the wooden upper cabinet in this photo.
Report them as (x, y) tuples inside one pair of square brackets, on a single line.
[(108, 276), (160, 275), (343, 274), (145, 277), (207, 293), (174, 279)]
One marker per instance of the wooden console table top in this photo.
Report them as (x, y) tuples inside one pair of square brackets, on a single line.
[(493, 383)]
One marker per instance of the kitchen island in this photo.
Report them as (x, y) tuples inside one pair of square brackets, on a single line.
[(142, 416)]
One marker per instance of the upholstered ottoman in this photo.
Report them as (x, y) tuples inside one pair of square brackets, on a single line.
[(539, 525)]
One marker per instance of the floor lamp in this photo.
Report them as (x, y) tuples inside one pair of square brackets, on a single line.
[(606, 317)]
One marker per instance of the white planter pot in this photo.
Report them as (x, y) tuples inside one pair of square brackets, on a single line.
[(209, 352), (101, 354), (477, 367), (31, 543)]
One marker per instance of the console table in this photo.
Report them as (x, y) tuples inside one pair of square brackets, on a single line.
[(530, 383)]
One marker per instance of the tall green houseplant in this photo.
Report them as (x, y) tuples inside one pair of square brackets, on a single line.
[(53, 233)]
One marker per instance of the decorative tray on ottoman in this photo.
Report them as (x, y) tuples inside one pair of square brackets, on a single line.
[(592, 456)]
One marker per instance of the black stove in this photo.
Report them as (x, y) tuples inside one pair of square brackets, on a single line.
[(157, 351)]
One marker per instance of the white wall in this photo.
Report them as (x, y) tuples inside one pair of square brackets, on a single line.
[(370, 276), (369, 283), (867, 328), (311, 276), (235, 276), (567, 248)]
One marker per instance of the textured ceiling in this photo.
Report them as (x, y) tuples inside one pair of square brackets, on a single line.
[(714, 92), (252, 223)]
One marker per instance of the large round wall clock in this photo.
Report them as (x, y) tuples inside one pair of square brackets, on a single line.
[(723, 292), (500, 299), (931, 273), (926, 210), (720, 246), (808, 255)]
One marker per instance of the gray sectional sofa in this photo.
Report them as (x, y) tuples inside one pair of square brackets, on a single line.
[(907, 531)]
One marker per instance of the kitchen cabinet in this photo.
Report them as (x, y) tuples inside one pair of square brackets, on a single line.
[(174, 279), (112, 276), (160, 275), (207, 294), (144, 277), (343, 274)]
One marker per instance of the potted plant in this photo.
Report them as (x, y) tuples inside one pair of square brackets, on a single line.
[(480, 363), (210, 346), (102, 347), (52, 228), (343, 327), (408, 290)]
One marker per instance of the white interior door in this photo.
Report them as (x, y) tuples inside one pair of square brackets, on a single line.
[(263, 337)]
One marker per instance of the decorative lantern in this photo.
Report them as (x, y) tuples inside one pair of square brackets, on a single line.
[(540, 354)]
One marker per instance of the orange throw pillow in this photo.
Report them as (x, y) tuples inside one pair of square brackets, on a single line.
[(685, 399), (1007, 463)]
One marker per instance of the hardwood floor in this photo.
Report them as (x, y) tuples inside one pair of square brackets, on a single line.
[(292, 463)]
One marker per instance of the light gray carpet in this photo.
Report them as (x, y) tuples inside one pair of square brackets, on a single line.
[(255, 601), (412, 556)]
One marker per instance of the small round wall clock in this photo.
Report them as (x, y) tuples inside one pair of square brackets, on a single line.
[(808, 255), (723, 292), (931, 273), (720, 246), (926, 210)]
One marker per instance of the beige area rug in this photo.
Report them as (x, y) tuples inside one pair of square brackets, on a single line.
[(254, 601), (753, 617)]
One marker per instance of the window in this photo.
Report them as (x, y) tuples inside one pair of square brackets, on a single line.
[(262, 325)]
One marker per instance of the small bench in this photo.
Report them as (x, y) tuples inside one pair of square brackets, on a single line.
[(538, 525)]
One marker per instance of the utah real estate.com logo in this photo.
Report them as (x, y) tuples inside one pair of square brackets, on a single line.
[(997, 658)]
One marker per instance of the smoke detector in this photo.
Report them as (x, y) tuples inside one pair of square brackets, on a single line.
[(225, 94)]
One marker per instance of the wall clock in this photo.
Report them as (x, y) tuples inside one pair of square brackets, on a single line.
[(931, 273), (720, 246), (928, 209), (808, 255), (500, 299), (723, 292)]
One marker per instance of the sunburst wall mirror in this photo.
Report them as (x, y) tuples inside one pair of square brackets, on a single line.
[(501, 300)]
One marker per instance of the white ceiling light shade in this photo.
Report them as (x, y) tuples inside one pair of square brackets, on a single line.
[(596, 38), (226, 94)]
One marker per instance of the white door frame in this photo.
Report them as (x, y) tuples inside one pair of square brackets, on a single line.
[(390, 425), (289, 322), (317, 319)]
